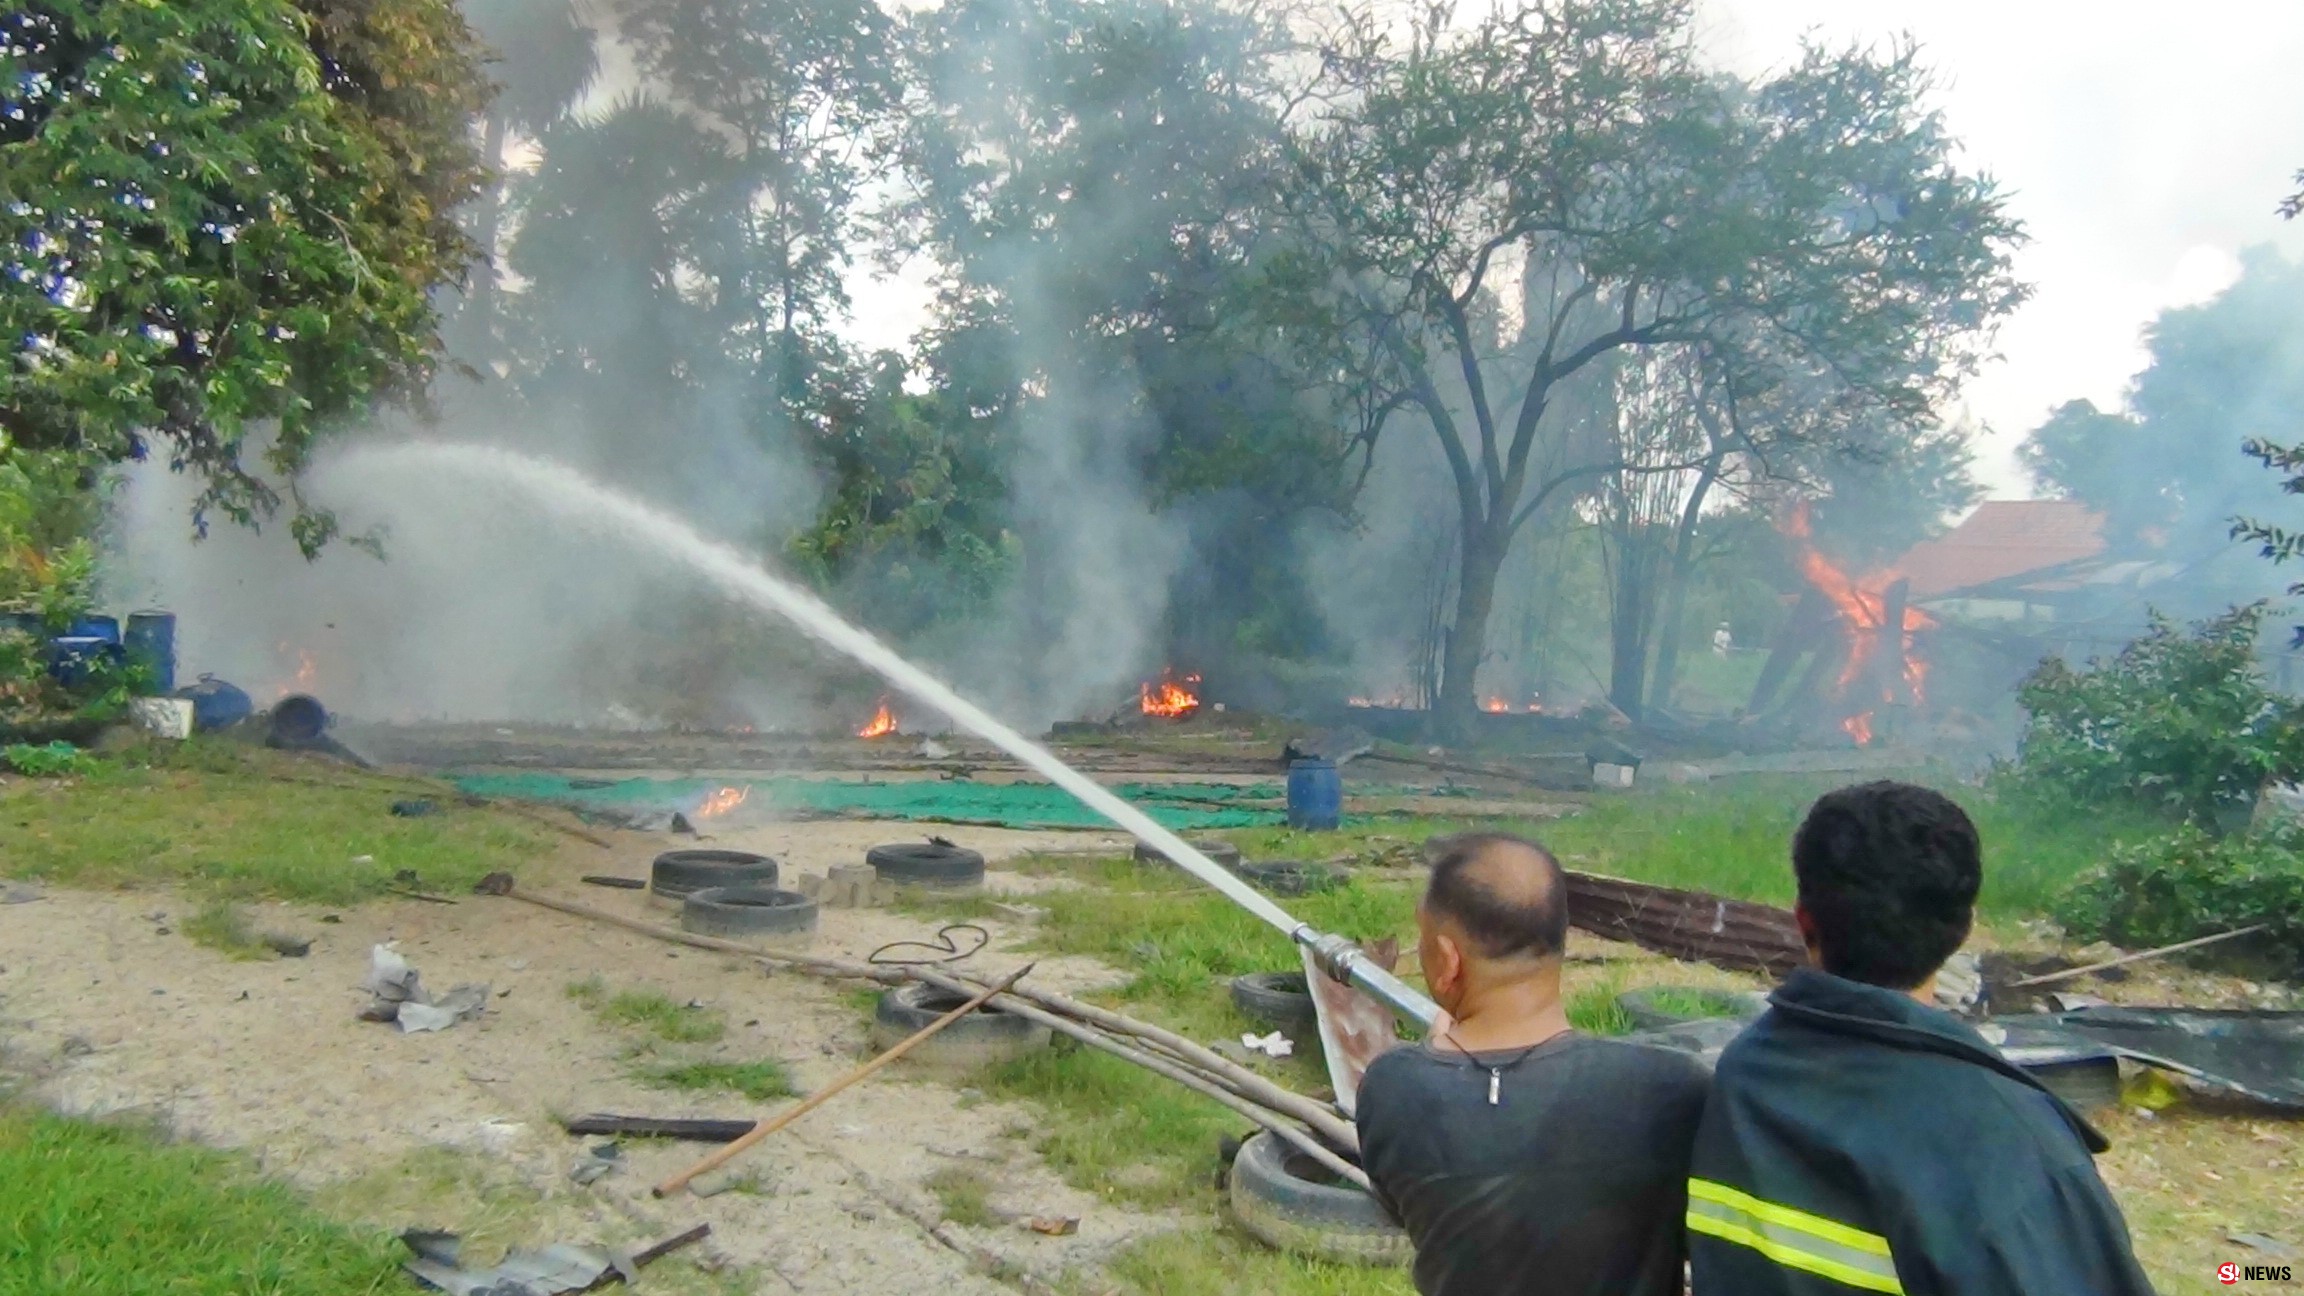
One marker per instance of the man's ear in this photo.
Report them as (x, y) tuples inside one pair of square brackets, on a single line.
[(1450, 957), (1807, 923)]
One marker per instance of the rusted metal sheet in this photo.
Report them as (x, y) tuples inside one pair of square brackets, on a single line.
[(1694, 925)]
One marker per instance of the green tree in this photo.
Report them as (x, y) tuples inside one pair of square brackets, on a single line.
[(1811, 226), (224, 217)]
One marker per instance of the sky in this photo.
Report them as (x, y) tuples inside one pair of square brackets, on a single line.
[(2142, 145)]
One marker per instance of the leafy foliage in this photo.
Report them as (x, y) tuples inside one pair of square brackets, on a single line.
[(2193, 884), (2180, 721), (223, 215), (47, 760), (47, 518)]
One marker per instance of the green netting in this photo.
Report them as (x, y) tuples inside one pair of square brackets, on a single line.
[(1180, 806)]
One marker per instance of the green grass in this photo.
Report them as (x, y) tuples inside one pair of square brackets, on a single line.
[(1682, 1002), (223, 926), (650, 1011), (237, 822), (112, 1210), (1221, 1263), (1734, 838), (759, 1081), (964, 1196)]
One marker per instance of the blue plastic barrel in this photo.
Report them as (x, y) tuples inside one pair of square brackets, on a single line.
[(95, 625), (215, 703), (74, 659), (150, 639), (1315, 795)]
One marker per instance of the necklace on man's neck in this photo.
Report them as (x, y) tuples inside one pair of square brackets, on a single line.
[(1496, 1073)]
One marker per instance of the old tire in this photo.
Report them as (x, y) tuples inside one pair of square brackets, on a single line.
[(1223, 852), (747, 911), (927, 864), (985, 1037), (676, 875), (1285, 1200), (1276, 999), (1650, 1008), (1290, 877)]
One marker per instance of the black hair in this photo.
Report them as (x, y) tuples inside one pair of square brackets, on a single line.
[(1888, 872), (1505, 917)]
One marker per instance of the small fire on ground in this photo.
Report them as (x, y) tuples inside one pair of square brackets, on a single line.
[(1862, 608), (1498, 706), (882, 723), (307, 676), (722, 801), (1172, 698)]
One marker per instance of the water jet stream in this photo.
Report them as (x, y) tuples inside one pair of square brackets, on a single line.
[(569, 495)]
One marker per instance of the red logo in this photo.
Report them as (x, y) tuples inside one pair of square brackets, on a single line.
[(2228, 1273)]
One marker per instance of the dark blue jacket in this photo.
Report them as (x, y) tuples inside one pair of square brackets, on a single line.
[(1857, 1140)]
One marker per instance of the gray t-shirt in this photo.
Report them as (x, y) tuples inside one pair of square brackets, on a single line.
[(1575, 1181)]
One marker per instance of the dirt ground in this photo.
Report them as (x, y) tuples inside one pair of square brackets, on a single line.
[(109, 1008)]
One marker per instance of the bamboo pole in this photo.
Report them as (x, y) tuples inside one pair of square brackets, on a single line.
[(1323, 1119), (1178, 1072), (2125, 959), (817, 1099)]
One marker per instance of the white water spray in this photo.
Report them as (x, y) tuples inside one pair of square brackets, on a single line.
[(578, 500)]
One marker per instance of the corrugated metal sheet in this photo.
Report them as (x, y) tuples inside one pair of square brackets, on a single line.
[(1693, 925)]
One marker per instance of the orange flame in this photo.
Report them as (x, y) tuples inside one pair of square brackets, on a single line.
[(882, 723), (1173, 698), (722, 801), (1495, 706), (1863, 609), (307, 676)]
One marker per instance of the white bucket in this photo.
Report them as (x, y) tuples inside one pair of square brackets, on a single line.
[(162, 717)]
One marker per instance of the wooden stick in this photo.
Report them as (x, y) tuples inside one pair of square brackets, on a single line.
[(1321, 1117), (823, 1095), (2125, 959)]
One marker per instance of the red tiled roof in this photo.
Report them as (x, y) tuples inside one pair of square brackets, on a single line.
[(2003, 538)]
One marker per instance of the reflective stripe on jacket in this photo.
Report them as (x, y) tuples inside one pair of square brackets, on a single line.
[(1858, 1141)]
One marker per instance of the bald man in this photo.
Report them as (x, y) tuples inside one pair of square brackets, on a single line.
[(1521, 1156)]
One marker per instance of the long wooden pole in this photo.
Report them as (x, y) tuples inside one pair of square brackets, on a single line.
[(2125, 959), (821, 1096)]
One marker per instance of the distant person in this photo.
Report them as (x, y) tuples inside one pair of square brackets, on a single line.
[(1522, 1157), (1858, 1138), (1722, 641)]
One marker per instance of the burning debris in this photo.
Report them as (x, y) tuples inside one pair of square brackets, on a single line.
[(721, 801), (1863, 630), (1172, 698), (881, 725)]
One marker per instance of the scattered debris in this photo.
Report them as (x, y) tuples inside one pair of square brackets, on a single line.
[(1960, 983), (16, 895), (2273, 1247), (1023, 913), (417, 808), (287, 946), (597, 1163), (2252, 1053), (721, 1181), (1054, 1225), (847, 886), (1274, 1045), (398, 995), (561, 1267), (700, 1131), (618, 883), (930, 749)]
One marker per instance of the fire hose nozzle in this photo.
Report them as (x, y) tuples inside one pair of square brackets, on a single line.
[(1335, 955)]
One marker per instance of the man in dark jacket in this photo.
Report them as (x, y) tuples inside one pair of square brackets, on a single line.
[(1857, 1138)]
